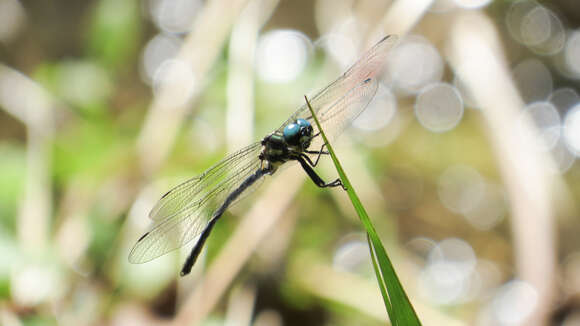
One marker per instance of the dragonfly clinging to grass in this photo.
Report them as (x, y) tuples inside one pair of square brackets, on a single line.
[(191, 209)]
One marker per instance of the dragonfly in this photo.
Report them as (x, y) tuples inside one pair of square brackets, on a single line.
[(191, 209)]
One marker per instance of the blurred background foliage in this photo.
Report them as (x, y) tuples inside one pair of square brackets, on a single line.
[(465, 160)]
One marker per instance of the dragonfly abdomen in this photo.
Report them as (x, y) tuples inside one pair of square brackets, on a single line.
[(190, 261)]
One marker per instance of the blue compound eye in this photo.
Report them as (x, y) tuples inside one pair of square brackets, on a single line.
[(303, 123), (305, 130), (291, 132)]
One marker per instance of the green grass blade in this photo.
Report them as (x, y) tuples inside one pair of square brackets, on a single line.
[(397, 303), (380, 279)]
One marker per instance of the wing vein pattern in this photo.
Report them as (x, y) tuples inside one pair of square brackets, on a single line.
[(183, 212)]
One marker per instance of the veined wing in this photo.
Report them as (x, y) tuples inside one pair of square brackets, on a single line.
[(182, 213), (358, 82), (336, 117)]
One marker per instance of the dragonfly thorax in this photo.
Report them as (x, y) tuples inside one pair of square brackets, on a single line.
[(279, 148)]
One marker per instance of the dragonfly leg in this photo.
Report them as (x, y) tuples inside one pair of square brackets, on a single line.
[(306, 164), (320, 152)]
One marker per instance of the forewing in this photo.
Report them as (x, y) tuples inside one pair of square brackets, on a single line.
[(367, 67), (336, 117), (183, 212), (195, 188)]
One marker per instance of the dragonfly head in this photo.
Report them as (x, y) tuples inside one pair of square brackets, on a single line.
[(298, 133)]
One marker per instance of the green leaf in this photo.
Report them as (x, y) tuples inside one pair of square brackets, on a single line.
[(397, 303)]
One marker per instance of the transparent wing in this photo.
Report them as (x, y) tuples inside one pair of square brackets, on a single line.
[(182, 213), (336, 117), (344, 99)]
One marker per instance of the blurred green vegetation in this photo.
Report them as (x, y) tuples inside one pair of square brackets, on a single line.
[(87, 55)]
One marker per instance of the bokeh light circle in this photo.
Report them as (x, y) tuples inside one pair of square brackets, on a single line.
[(514, 302), (352, 255), (556, 39), (564, 99), (572, 129), (12, 19), (448, 275), (439, 107), (534, 80), (341, 48), (516, 15), (178, 76), (160, 48), (535, 26), (572, 53), (460, 188), (489, 210), (413, 64), (562, 156), (546, 120), (281, 55), (174, 16)]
